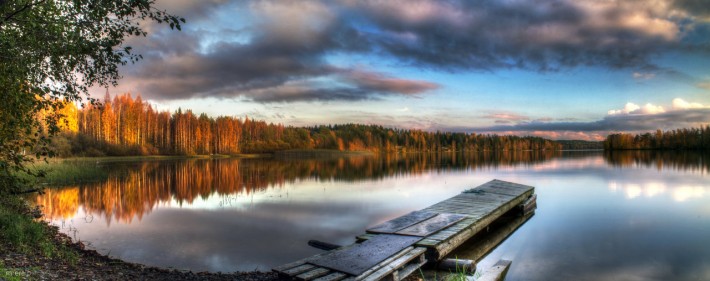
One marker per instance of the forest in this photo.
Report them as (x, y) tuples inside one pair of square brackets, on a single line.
[(124, 125), (678, 139)]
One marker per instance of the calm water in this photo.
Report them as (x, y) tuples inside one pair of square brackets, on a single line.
[(625, 216)]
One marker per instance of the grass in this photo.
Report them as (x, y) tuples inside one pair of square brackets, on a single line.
[(10, 274), (63, 172), (22, 233), (459, 274)]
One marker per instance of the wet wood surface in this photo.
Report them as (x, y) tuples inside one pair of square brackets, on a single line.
[(396, 248)]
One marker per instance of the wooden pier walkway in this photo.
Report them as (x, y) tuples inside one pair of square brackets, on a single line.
[(396, 248)]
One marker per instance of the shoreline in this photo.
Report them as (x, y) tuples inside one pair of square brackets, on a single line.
[(90, 265)]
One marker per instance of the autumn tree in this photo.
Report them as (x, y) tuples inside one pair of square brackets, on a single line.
[(51, 52)]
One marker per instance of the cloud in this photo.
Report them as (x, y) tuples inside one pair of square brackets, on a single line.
[(505, 118), (697, 8), (632, 118), (629, 122), (539, 35), (280, 48), (681, 104), (704, 85), (381, 83), (293, 91), (643, 75), (190, 9), (632, 108), (283, 61)]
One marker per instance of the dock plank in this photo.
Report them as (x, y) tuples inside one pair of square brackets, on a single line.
[(383, 263), (364, 256), (392, 267), (448, 244), (312, 274), (402, 222), (299, 269), (396, 248), (431, 225), (335, 276)]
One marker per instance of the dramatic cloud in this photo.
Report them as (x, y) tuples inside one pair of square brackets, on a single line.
[(679, 103), (699, 8), (522, 34), (632, 108), (631, 122), (280, 50), (632, 118), (282, 58), (506, 118), (379, 83), (643, 75)]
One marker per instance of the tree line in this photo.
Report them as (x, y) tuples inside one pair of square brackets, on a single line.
[(128, 192), (124, 125), (678, 139)]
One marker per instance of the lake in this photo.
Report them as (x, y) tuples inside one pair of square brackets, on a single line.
[(601, 216)]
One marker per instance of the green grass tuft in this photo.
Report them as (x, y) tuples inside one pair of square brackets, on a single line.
[(24, 234), (10, 274)]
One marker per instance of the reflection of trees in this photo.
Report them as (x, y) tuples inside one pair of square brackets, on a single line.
[(130, 191), (676, 160)]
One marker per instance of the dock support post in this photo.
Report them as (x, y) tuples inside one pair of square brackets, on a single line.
[(457, 265)]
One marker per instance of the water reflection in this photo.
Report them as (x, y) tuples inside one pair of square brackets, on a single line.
[(621, 216), (676, 160), (131, 191), (679, 192)]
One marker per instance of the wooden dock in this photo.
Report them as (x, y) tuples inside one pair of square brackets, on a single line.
[(396, 248)]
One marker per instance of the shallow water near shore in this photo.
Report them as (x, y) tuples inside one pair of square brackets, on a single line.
[(600, 216)]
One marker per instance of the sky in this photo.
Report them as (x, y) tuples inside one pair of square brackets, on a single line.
[(561, 69)]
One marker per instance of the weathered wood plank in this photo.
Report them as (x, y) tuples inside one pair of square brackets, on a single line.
[(474, 210), (281, 268), (290, 265), (364, 237), (431, 225), (383, 263), (393, 266), (402, 222), (335, 276), (361, 257), (452, 209), (501, 185), (428, 242), (471, 204), (299, 269), (486, 198), (449, 244), (312, 274), (412, 266)]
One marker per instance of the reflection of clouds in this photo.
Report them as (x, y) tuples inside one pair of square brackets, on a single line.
[(683, 193), (569, 164), (548, 268), (679, 192), (632, 273)]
